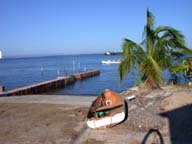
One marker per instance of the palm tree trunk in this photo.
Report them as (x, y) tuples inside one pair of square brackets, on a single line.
[(151, 83)]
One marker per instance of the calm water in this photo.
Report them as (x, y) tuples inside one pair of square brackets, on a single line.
[(19, 72)]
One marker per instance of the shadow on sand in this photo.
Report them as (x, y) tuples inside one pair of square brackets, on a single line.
[(180, 124), (126, 111), (153, 137)]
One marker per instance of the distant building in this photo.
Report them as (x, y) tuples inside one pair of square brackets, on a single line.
[(113, 53)]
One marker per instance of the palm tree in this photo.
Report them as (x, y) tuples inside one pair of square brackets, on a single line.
[(160, 48)]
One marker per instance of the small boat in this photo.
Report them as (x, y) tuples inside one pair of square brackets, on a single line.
[(110, 61), (108, 53), (106, 111)]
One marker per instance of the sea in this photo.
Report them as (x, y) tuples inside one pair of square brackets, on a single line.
[(20, 72)]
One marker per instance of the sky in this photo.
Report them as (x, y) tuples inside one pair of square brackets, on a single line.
[(62, 27)]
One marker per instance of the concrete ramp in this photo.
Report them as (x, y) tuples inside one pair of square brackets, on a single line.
[(50, 99)]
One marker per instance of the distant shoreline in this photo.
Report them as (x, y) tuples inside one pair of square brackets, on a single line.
[(54, 55)]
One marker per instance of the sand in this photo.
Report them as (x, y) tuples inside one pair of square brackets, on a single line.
[(161, 116)]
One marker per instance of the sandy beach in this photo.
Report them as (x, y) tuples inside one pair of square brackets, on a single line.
[(153, 116)]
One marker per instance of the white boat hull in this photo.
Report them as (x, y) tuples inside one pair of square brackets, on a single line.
[(106, 121), (108, 110), (110, 62)]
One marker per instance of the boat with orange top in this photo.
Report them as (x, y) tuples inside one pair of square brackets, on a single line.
[(107, 110)]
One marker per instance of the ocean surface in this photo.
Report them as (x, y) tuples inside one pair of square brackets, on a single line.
[(19, 72)]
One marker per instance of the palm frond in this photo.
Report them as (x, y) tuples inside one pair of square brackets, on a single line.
[(133, 54), (171, 36), (133, 51), (149, 24), (125, 67), (169, 46), (148, 34), (150, 19), (161, 54), (151, 69)]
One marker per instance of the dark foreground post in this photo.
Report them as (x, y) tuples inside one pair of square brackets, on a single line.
[(2, 88)]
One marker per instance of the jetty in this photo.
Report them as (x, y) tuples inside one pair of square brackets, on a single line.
[(60, 82)]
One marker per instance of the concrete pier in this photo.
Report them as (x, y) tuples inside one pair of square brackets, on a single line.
[(84, 75), (60, 82)]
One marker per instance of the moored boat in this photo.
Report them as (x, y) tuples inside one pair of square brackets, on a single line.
[(107, 110), (110, 61)]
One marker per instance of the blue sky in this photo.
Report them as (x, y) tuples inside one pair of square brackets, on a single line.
[(52, 27)]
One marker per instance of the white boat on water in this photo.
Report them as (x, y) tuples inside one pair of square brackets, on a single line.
[(110, 61)]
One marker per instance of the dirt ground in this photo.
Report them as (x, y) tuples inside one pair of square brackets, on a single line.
[(39, 123), (159, 117)]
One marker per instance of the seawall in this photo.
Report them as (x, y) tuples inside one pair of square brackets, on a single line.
[(60, 82)]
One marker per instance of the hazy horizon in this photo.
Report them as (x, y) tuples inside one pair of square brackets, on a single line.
[(48, 55)]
